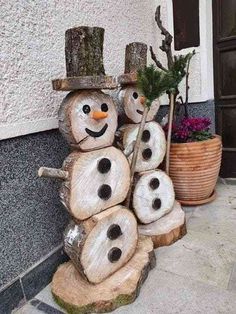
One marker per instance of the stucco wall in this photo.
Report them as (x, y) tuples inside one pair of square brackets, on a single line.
[(32, 52)]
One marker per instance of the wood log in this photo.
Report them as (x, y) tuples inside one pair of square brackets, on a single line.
[(101, 245), (97, 180), (152, 147), (53, 173), (77, 295), (88, 119), (84, 51), (135, 57), (153, 196), (167, 229), (85, 82), (131, 98)]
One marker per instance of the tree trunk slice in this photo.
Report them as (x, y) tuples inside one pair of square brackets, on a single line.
[(78, 296), (97, 180), (153, 196), (167, 229), (78, 122), (101, 245), (85, 82), (152, 150), (84, 51)]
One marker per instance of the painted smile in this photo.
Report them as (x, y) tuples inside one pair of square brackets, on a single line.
[(97, 134), (139, 111)]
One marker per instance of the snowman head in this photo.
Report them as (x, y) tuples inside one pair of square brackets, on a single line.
[(88, 119), (131, 98)]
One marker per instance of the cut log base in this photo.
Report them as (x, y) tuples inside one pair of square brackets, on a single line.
[(166, 230), (77, 296)]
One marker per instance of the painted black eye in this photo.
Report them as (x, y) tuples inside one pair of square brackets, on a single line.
[(154, 183), (135, 95), (86, 109), (104, 107)]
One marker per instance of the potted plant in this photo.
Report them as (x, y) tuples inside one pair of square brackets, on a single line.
[(193, 154), (195, 158)]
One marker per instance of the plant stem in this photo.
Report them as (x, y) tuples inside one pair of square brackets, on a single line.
[(135, 154), (170, 121)]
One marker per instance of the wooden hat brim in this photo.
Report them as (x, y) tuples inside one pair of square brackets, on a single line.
[(85, 82), (128, 79)]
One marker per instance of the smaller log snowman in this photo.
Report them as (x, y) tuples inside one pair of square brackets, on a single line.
[(102, 238), (153, 197)]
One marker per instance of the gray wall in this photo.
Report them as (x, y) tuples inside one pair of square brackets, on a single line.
[(32, 218)]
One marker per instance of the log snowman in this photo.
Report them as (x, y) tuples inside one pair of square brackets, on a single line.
[(102, 239), (153, 197)]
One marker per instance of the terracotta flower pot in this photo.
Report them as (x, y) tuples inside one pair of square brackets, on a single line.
[(194, 169)]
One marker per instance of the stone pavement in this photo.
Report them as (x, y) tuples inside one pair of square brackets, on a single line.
[(197, 274)]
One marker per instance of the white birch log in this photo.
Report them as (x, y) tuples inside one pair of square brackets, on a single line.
[(130, 96), (152, 147), (167, 229), (97, 180), (88, 119), (74, 293), (153, 196), (102, 244)]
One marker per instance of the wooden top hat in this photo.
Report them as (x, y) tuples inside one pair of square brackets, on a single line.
[(84, 61), (135, 59)]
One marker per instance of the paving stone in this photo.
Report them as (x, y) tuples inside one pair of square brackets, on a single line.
[(199, 256), (46, 296), (168, 293)]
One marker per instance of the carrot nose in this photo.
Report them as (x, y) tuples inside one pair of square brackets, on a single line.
[(142, 100), (97, 115)]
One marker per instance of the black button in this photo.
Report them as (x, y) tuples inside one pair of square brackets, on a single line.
[(156, 204), (146, 136), (147, 153), (135, 95), (154, 183), (114, 254), (104, 165), (86, 109), (113, 232), (104, 192), (104, 107)]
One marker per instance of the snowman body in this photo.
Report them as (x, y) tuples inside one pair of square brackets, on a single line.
[(103, 236), (153, 193)]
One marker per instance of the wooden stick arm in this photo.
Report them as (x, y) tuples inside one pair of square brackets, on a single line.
[(53, 173)]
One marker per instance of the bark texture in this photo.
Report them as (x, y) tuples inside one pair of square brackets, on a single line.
[(84, 51), (135, 57)]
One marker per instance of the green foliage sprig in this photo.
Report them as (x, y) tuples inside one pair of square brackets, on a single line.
[(153, 83)]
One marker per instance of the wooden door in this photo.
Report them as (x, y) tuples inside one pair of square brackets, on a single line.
[(224, 25)]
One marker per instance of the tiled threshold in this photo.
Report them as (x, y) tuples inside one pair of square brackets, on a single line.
[(27, 285)]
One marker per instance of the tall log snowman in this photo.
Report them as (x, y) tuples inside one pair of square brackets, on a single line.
[(153, 197), (109, 261)]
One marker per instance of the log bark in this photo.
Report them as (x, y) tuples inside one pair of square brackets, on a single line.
[(84, 51), (79, 126), (152, 148), (135, 57), (130, 97), (102, 244), (85, 82), (153, 196), (97, 180), (167, 229), (76, 295)]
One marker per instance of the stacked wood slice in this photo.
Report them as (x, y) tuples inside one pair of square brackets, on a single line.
[(153, 197), (108, 261)]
